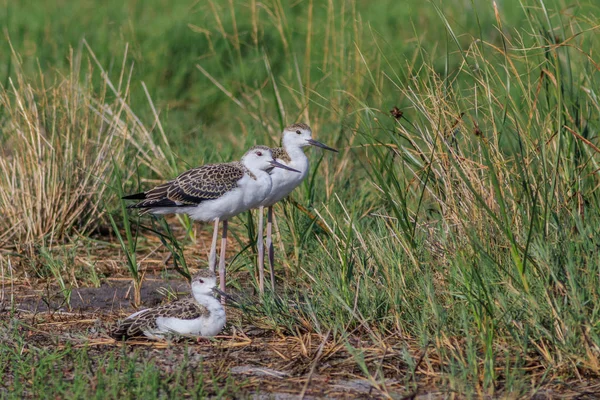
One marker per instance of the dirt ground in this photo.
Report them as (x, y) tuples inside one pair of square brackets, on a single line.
[(267, 364), (270, 365)]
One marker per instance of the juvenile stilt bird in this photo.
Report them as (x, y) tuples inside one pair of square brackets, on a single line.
[(198, 315), (291, 153)]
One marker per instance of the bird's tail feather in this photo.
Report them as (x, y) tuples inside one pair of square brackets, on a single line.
[(121, 330), (136, 196)]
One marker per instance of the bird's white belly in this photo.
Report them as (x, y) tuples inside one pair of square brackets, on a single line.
[(249, 194), (182, 326), (284, 182), (225, 207)]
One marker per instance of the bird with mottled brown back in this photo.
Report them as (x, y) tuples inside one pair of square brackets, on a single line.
[(198, 315)]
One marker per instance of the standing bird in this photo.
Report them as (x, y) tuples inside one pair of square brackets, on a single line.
[(198, 315), (295, 138), (215, 192)]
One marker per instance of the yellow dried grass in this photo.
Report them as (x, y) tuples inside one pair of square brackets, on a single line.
[(59, 145)]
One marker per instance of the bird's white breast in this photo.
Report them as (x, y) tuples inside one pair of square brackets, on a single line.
[(255, 191), (284, 182), (213, 325)]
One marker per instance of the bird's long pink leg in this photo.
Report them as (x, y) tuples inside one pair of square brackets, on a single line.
[(212, 257), (260, 246), (222, 259), (270, 246)]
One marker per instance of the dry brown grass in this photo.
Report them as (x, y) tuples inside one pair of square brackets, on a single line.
[(303, 364), (60, 143)]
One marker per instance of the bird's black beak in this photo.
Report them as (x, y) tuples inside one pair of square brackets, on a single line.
[(222, 293), (313, 142), (280, 165)]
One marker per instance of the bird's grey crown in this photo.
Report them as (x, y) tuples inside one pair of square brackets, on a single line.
[(258, 147), (299, 125), (203, 273)]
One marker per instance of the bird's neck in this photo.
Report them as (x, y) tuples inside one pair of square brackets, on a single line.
[(256, 173), (295, 152), (207, 300)]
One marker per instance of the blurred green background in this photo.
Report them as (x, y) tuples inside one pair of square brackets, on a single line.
[(166, 39)]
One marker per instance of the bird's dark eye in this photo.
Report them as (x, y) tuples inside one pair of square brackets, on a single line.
[(298, 132), (200, 280), (259, 153)]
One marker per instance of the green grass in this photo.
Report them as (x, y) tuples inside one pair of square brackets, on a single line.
[(468, 225), (45, 371), (166, 40)]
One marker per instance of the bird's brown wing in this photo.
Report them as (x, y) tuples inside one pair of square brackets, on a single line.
[(207, 182), (146, 321)]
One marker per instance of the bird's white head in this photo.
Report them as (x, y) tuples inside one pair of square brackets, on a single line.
[(204, 282), (261, 158), (258, 158), (299, 136)]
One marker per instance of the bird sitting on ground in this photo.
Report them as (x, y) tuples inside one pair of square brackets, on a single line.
[(198, 315)]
